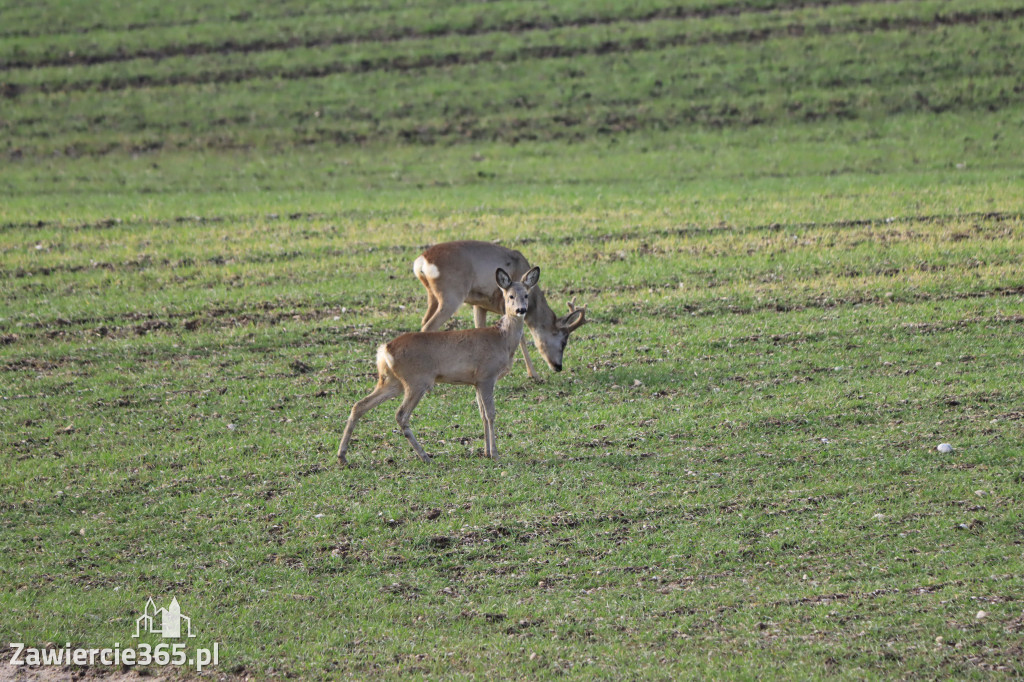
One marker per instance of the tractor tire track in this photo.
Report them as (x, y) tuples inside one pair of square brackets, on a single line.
[(450, 59), (481, 26)]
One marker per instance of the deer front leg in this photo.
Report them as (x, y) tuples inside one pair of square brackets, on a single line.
[(483, 418), (386, 389), (526, 357), (479, 316), (412, 398), (485, 399)]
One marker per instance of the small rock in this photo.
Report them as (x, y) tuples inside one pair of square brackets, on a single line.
[(944, 447), (981, 615)]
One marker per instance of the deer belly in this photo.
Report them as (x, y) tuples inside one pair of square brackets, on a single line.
[(470, 374)]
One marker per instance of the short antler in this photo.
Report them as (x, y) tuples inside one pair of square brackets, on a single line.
[(577, 316)]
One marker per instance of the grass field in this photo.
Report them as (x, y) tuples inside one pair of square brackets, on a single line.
[(798, 228)]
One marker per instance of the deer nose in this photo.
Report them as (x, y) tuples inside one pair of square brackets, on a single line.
[(521, 311), (558, 367)]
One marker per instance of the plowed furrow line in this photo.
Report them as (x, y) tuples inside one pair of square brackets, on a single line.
[(468, 58)]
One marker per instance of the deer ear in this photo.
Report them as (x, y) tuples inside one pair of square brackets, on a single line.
[(503, 279), (531, 278)]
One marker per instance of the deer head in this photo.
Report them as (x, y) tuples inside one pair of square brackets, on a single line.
[(551, 334)]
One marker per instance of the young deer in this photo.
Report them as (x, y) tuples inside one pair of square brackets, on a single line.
[(414, 362), (457, 272)]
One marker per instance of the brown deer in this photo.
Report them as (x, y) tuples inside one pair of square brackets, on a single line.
[(462, 271), (414, 362)]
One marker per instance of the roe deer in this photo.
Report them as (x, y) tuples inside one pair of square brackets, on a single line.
[(414, 362), (457, 272)]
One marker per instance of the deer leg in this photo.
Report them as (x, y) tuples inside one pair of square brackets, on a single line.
[(483, 418), (432, 305), (485, 399), (413, 394), (385, 390), (445, 310), (526, 357), (479, 316)]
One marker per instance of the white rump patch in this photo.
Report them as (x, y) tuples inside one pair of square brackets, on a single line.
[(383, 356), (423, 268)]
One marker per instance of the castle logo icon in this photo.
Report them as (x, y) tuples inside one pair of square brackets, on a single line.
[(166, 622)]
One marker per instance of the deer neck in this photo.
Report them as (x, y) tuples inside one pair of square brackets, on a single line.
[(539, 314), (511, 329)]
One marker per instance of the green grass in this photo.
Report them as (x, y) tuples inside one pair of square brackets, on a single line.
[(582, 76), (798, 230)]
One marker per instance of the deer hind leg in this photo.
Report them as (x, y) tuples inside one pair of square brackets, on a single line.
[(485, 401), (442, 312), (413, 394), (432, 305), (386, 389)]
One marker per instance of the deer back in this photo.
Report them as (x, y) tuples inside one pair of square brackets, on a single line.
[(462, 356), (465, 269)]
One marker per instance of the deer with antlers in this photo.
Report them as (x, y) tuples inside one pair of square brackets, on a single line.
[(463, 272), (412, 363)]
